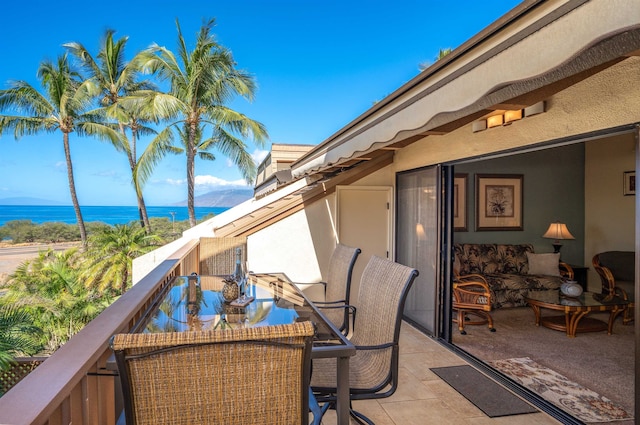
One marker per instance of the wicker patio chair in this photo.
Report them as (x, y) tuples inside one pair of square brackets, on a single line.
[(254, 375), (218, 254), (617, 274), (471, 296), (373, 370), (337, 287)]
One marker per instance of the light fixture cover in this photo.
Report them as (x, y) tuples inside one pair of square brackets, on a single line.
[(494, 121), (534, 109), (512, 115), (479, 126), (558, 231)]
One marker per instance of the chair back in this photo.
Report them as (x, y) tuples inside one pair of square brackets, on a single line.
[(383, 290), (218, 254), (338, 280), (240, 376)]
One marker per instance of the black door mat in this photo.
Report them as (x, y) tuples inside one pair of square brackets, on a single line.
[(486, 394)]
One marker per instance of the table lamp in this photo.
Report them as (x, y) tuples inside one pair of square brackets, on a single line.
[(557, 231)]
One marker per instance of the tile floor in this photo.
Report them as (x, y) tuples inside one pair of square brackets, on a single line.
[(422, 398)]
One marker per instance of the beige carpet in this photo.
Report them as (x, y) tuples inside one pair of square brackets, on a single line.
[(600, 362)]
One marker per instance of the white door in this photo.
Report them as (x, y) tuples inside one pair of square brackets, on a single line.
[(363, 220)]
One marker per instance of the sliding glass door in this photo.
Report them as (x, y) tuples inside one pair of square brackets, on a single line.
[(417, 241)]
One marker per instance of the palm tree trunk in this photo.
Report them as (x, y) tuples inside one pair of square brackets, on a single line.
[(123, 283), (72, 189), (191, 172), (190, 187), (142, 208)]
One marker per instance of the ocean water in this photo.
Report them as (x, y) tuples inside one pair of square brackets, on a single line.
[(106, 214)]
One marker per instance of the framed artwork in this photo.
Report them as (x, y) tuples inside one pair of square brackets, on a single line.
[(499, 201), (460, 202), (629, 183)]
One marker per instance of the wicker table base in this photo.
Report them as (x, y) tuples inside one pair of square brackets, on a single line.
[(575, 310)]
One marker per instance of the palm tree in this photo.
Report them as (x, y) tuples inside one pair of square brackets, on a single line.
[(18, 335), (64, 108), (110, 257), (202, 82), (50, 289), (117, 78), (441, 54)]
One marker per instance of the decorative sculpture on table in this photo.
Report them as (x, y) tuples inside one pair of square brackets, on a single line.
[(571, 288), (230, 290)]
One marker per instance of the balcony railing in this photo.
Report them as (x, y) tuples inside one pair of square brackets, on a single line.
[(74, 386)]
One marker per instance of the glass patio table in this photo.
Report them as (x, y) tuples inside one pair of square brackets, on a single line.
[(194, 303)]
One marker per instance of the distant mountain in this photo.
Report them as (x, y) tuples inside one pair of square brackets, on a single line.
[(221, 198), (28, 201)]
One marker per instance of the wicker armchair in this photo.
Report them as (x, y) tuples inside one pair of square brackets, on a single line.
[(617, 274), (337, 287), (373, 370), (471, 296), (244, 376)]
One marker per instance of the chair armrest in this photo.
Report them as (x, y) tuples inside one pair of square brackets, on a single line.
[(313, 290), (376, 347), (472, 294), (311, 283), (566, 271), (474, 277), (351, 311), (330, 303), (606, 277)]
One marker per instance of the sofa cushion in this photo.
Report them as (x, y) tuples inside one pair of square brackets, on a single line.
[(492, 258), (544, 264)]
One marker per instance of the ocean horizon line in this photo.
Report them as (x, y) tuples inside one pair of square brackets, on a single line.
[(109, 214), (105, 205)]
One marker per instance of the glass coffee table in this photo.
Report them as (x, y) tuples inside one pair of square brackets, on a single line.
[(575, 309)]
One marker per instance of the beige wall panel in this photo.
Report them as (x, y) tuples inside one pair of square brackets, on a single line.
[(609, 215), (608, 99), (286, 246), (364, 221)]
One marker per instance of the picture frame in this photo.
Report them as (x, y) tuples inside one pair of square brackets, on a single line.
[(460, 182), (499, 202), (629, 180)]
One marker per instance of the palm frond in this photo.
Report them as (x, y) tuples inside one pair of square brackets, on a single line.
[(21, 97), (159, 147)]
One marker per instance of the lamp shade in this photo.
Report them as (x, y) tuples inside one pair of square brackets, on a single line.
[(558, 231)]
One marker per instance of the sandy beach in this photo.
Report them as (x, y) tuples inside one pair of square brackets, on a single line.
[(11, 256)]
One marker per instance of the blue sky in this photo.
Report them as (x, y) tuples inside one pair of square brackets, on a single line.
[(318, 65)]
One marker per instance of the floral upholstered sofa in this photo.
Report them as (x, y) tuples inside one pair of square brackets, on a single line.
[(511, 270)]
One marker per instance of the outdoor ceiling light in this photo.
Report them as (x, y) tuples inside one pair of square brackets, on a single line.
[(507, 117), (513, 115), (494, 121)]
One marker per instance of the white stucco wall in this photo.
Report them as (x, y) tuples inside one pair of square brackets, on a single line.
[(610, 216), (605, 100), (285, 246)]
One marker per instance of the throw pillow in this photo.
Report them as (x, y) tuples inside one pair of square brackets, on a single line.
[(544, 264)]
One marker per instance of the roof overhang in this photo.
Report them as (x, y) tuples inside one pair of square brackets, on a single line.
[(536, 50)]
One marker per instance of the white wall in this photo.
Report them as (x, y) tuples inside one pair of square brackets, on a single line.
[(609, 215), (286, 246)]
